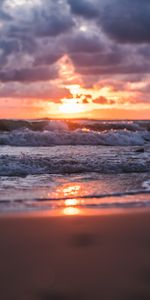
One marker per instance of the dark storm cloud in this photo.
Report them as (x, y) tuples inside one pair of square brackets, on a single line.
[(85, 8), (98, 59), (28, 75), (113, 70), (83, 42), (47, 59), (50, 18), (52, 25), (101, 37), (9, 45), (25, 32), (126, 20), (74, 45)]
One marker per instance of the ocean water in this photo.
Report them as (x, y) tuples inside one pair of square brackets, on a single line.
[(47, 164)]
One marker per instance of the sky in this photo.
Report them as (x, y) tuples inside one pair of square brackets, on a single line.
[(75, 58)]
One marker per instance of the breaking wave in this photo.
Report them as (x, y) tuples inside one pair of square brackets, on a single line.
[(24, 165), (52, 125), (79, 132), (27, 137)]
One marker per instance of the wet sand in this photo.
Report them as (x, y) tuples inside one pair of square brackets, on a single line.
[(103, 255)]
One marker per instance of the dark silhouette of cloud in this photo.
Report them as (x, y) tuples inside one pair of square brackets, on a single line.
[(28, 75), (103, 39), (84, 8), (98, 59), (126, 21), (83, 42)]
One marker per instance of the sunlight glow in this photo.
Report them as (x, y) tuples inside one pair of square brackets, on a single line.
[(83, 28), (75, 89), (71, 190), (71, 211), (70, 106), (71, 202)]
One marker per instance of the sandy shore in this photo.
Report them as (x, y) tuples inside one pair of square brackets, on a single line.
[(46, 256)]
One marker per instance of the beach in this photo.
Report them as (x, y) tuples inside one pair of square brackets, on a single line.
[(86, 254), (74, 150), (74, 210)]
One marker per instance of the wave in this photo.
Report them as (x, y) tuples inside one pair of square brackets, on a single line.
[(27, 137), (24, 165), (90, 196), (39, 125), (125, 200), (71, 125)]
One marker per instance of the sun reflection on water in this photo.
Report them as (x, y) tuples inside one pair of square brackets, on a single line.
[(69, 198), (72, 202), (71, 207), (70, 190), (71, 211)]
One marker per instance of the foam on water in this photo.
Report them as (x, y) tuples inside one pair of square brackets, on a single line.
[(72, 159), (108, 160), (75, 132), (87, 190), (40, 125), (27, 137)]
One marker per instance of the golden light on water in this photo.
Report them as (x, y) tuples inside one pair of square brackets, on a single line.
[(69, 191), (71, 207), (71, 202), (71, 211), (85, 130)]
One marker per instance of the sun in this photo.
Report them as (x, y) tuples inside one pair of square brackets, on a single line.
[(70, 106)]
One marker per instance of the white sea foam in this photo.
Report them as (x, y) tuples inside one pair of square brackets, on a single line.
[(56, 125), (27, 137), (112, 148), (73, 159), (40, 125), (146, 185), (49, 191)]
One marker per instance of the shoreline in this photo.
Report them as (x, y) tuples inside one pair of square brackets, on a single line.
[(89, 255), (73, 212)]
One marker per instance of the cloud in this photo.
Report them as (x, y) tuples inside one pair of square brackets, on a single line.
[(44, 90), (105, 40), (114, 70), (47, 59), (103, 100), (84, 8), (98, 59), (126, 21), (4, 16), (28, 75), (84, 42), (48, 18)]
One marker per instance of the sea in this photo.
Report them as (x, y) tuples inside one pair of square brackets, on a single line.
[(53, 164)]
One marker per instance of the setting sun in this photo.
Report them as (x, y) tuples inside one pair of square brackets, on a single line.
[(70, 106)]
